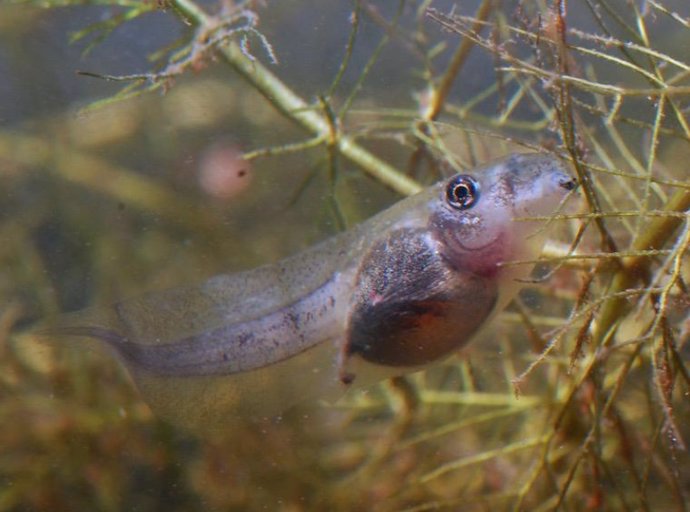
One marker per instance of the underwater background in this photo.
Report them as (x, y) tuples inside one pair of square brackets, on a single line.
[(148, 144)]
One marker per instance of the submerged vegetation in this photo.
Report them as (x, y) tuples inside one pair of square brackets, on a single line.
[(578, 399)]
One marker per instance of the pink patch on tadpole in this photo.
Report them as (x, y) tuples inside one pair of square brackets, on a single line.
[(375, 297), (487, 261), (223, 172)]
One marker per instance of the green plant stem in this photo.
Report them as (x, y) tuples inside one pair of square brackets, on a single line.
[(636, 268), (457, 62), (296, 109), (441, 92)]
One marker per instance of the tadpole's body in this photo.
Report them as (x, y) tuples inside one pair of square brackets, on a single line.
[(399, 292)]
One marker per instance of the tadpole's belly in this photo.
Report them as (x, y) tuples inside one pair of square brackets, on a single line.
[(411, 307)]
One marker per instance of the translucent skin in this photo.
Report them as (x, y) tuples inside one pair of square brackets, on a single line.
[(397, 293)]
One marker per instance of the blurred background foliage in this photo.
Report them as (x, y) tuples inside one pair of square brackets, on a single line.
[(207, 137)]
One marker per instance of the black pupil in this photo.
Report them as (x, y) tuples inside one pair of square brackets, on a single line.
[(462, 192)]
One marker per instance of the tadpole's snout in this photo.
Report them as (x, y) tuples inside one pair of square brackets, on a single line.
[(567, 182), (564, 189)]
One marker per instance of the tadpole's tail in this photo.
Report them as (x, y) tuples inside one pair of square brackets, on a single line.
[(82, 331), (89, 324)]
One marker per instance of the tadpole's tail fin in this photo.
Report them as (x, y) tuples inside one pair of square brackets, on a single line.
[(82, 331), (96, 324)]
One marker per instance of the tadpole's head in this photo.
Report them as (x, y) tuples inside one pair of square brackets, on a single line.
[(481, 220)]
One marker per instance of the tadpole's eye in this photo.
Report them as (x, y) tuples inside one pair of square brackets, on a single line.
[(462, 192)]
